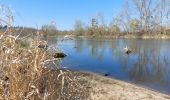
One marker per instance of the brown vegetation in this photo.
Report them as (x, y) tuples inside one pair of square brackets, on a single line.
[(26, 72)]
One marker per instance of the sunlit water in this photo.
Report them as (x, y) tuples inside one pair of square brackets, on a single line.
[(148, 65)]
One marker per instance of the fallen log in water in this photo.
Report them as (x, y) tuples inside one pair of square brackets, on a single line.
[(59, 55)]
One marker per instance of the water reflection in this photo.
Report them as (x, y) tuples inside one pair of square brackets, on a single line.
[(78, 45), (148, 64)]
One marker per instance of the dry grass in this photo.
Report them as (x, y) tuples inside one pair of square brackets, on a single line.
[(25, 75)]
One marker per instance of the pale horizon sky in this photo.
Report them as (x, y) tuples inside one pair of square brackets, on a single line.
[(30, 13)]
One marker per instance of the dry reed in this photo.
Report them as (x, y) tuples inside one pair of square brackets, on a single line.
[(24, 74)]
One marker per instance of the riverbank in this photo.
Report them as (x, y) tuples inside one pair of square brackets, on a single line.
[(103, 88), (26, 76), (159, 36)]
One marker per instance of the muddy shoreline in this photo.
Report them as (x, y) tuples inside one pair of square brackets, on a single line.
[(104, 88)]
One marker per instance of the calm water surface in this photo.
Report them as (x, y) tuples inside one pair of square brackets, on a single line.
[(148, 65)]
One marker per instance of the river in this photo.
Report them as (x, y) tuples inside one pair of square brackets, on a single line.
[(148, 65)]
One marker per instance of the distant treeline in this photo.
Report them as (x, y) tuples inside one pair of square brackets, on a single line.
[(137, 17)]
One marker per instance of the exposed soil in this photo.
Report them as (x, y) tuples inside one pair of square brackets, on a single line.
[(89, 86), (103, 88)]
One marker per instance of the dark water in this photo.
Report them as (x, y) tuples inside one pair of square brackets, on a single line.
[(148, 65)]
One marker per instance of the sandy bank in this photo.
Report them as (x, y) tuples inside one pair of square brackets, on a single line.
[(103, 88)]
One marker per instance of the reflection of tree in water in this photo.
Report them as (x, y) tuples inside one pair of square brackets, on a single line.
[(113, 48), (101, 50), (117, 52), (151, 64), (140, 71), (94, 46), (79, 44), (148, 62), (98, 47)]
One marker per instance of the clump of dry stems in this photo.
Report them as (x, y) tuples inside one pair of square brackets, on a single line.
[(24, 74)]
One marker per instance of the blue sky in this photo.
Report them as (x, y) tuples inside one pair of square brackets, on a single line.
[(64, 12)]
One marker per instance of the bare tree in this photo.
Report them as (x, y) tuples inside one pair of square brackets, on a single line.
[(134, 25), (101, 24), (152, 14), (122, 20), (114, 29), (78, 28), (49, 29), (92, 28)]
